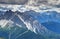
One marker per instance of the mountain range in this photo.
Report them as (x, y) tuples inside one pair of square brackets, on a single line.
[(29, 23)]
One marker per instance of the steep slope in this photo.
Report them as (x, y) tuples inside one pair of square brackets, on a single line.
[(32, 24), (29, 20)]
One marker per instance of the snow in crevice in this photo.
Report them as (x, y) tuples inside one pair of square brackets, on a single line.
[(4, 22), (28, 25)]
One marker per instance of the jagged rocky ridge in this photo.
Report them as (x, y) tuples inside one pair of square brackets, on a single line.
[(28, 20), (24, 17)]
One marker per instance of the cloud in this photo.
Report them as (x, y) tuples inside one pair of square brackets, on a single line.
[(52, 3), (36, 2), (35, 5), (33, 2), (14, 1)]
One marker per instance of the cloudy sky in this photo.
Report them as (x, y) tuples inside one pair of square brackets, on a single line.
[(14, 1), (32, 2), (55, 3)]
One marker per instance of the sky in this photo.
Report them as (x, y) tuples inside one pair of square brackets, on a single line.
[(33, 2), (14, 1)]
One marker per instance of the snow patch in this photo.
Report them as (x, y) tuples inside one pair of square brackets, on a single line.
[(4, 22)]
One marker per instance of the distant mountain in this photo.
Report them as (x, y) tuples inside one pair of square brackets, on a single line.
[(30, 20), (51, 25)]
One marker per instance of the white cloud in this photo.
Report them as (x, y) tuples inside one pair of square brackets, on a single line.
[(23, 8)]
